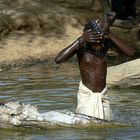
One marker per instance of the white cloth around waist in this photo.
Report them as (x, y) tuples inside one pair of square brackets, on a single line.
[(93, 103)]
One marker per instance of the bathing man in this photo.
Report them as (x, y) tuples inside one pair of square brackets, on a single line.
[(91, 49)]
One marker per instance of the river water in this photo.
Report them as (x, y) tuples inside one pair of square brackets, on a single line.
[(56, 88)]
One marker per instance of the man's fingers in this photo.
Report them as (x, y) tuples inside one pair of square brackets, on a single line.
[(96, 37), (92, 36), (94, 41)]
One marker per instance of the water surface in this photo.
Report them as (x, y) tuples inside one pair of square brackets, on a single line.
[(56, 88)]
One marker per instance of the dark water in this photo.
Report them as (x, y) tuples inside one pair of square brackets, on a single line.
[(56, 88)]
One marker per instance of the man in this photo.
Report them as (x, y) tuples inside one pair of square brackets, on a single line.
[(91, 49)]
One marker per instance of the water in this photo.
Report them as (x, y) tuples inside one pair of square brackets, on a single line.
[(56, 88)]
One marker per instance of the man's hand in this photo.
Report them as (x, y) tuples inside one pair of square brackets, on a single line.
[(107, 21), (92, 36)]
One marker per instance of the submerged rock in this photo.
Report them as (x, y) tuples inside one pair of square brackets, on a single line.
[(124, 75)]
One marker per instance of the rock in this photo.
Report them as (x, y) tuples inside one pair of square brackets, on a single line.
[(131, 81), (124, 75)]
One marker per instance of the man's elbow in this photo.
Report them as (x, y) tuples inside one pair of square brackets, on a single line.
[(57, 60)]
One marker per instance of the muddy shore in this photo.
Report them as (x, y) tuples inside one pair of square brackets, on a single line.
[(34, 32)]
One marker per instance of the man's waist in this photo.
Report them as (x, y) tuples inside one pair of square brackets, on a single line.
[(93, 87)]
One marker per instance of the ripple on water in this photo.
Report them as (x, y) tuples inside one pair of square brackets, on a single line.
[(57, 89)]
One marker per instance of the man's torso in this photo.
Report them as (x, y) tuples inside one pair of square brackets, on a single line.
[(93, 68)]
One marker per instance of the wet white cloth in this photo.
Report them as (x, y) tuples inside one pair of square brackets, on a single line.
[(93, 104)]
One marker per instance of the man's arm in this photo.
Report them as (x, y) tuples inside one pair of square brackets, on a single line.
[(121, 44), (68, 52), (88, 36)]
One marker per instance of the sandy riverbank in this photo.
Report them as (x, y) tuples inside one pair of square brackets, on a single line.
[(19, 49), (35, 31)]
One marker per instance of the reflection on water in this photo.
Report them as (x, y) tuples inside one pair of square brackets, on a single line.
[(52, 89)]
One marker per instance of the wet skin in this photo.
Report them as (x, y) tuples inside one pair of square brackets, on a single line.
[(93, 68)]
